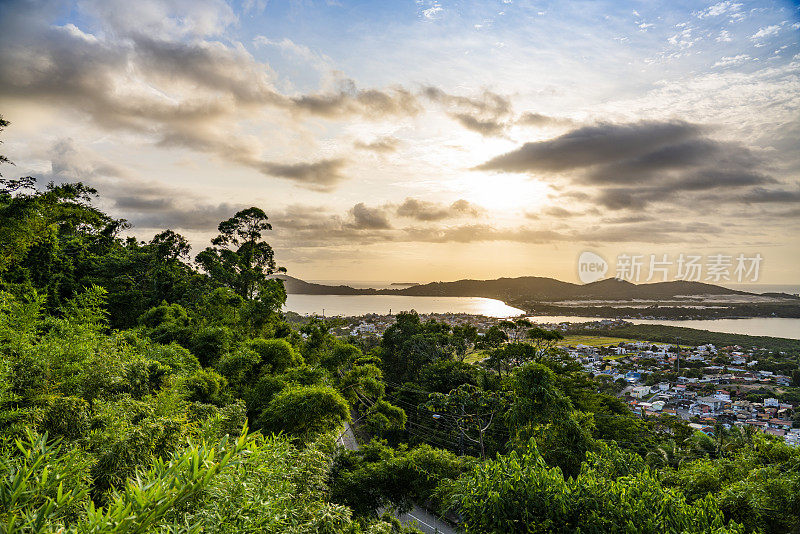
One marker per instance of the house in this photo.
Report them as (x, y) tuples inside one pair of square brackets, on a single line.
[(782, 424), (633, 376), (710, 404), (723, 394), (640, 392), (772, 403)]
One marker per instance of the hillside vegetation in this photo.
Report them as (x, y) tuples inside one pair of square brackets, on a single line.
[(146, 390)]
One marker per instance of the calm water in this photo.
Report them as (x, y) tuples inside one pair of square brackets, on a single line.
[(354, 305), (757, 326)]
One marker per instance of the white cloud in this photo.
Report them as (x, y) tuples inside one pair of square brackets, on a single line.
[(320, 61), (683, 40), (163, 19), (724, 37), (767, 31), (433, 12), (729, 61), (720, 8)]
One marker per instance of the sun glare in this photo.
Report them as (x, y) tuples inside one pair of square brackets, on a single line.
[(507, 192)]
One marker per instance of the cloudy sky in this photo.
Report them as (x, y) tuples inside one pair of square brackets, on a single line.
[(427, 140)]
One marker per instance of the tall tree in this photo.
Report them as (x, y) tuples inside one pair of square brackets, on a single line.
[(3, 124), (239, 258)]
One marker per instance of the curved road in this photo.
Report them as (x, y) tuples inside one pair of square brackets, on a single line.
[(417, 517)]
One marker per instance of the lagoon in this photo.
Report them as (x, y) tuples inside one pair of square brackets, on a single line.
[(754, 326), (355, 305)]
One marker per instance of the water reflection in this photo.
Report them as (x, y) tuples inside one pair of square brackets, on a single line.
[(354, 305)]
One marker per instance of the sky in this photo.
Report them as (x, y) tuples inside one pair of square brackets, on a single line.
[(417, 141)]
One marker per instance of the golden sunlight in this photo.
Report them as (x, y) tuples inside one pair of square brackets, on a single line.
[(505, 192)]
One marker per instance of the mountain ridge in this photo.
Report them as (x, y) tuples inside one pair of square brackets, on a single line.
[(529, 287)]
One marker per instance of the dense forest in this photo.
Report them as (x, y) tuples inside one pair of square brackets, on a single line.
[(145, 389)]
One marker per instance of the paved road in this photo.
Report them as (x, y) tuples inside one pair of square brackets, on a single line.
[(417, 517), (426, 522)]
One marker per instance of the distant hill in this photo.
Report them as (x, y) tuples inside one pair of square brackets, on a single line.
[(295, 286), (533, 288)]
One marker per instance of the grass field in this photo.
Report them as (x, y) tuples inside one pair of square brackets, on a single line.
[(593, 341), (476, 356)]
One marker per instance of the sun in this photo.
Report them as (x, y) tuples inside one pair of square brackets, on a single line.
[(503, 192)]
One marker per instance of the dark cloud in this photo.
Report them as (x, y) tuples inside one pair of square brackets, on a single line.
[(144, 204), (715, 178), (780, 196), (719, 161), (138, 203), (383, 144), (467, 208), (423, 210), (320, 175), (488, 102), (484, 114), (592, 145), (483, 127), (539, 120), (372, 103), (631, 165), (628, 219), (366, 218), (558, 212), (202, 217), (182, 92)]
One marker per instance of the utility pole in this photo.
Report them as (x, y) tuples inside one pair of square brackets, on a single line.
[(461, 431)]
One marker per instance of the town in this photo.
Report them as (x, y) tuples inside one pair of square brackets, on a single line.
[(705, 385)]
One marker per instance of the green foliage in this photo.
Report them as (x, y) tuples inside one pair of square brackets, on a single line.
[(305, 412), (208, 387), (362, 385), (520, 493), (275, 355), (41, 484), (240, 260), (119, 362), (378, 476), (408, 345), (445, 375), (383, 417), (341, 355), (209, 344), (279, 488), (503, 360), (167, 323), (755, 479), (542, 412)]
